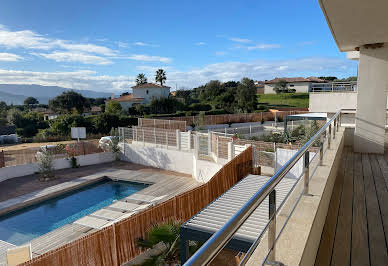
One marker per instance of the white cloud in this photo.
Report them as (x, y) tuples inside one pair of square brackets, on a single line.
[(151, 69), (200, 43), (122, 44), (82, 79), (261, 70), (263, 46), (80, 57), (258, 70), (149, 58), (145, 44), (28, 39), (8, 57), (240, 40)]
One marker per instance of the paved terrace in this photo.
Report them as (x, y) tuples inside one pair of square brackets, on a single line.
[(164, 185), (356, 227)]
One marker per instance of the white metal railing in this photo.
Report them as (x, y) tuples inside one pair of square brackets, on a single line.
[(219, 240), (350, 86)]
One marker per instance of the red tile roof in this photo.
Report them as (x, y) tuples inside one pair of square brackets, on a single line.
[(149, 85), (128, 98), (297, 79)]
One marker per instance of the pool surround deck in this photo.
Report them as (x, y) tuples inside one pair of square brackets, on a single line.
[(162, 186)]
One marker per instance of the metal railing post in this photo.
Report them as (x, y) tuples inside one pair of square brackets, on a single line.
[(329, 137), (335, 126), (338, 121), (272, 225), (321, 152), (306, 167)]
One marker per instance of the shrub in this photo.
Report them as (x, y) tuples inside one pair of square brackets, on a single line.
[(45, 164), (200, 107)]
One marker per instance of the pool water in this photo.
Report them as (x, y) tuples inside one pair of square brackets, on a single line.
[(26, 224)]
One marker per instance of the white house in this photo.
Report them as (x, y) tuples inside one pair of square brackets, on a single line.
[(300, 84), (142, 94)]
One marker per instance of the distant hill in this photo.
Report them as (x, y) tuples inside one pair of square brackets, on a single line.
[(16, 93)]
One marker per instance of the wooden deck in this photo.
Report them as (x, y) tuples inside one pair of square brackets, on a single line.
[(356, 227)]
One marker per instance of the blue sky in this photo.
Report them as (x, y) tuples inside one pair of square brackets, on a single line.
[(103, 45)]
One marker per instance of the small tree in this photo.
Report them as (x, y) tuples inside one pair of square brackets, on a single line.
[(141, 79), (45, 164), (115, 140), (113, 107), (31, 101), (281, 86), (160, 76)]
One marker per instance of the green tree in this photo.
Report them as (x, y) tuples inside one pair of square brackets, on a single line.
[(31, 101), (63, 124), (69, 101), (141, 79), (113, 107), (27, 124), (160, 76), (246, 95), (281, 86), (165, 105)]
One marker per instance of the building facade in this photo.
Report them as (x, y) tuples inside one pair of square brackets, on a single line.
[(299, 84), (142, 94)]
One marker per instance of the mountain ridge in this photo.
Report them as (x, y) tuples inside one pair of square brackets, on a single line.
[(17, 93)]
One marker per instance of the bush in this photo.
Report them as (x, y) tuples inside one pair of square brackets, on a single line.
[(45, 164), (200, 107)]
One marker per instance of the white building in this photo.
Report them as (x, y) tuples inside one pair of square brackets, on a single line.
[(300, 84), (142, 94)]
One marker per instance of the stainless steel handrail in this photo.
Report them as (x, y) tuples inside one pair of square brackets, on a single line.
[(219, 240)]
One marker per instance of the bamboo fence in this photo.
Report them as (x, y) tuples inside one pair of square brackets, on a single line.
[(116, 244)]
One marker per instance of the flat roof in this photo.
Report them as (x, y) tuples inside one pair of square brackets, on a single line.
[(209, 220), (308, 116)]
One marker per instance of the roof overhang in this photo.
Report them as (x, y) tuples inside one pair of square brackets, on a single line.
[(354, 23)]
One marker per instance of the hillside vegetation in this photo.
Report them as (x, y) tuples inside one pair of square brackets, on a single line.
[(300, 100)]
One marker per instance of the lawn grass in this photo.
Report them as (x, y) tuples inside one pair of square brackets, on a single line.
[(300, 100)]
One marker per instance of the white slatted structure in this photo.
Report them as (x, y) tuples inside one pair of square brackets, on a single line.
[(238, 149), (215, 215), (186, 141)]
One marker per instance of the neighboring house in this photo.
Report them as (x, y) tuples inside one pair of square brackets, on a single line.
[(300, 84), (95, 110), (142, 94), (49, 115), (259, 87)]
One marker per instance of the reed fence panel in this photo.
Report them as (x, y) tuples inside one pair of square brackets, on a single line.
[(116, 244)]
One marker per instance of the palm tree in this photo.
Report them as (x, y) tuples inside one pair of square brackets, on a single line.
[(168, 233), (160, 76), (141, 79)]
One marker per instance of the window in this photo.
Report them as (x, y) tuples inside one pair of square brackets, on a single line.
[(147, 91), (291, 85)]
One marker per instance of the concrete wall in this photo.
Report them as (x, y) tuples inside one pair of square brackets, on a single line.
[(284, 155), (173, 160), (32, 168), (204, 170), (332, 101), (298, 86)]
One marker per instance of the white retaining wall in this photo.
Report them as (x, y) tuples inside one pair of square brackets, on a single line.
[(283, 155), (203, 170), (31, 168), (173, 160)]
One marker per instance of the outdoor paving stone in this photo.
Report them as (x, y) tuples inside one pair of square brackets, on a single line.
[(107, 214), (92, 222), (124, 205)]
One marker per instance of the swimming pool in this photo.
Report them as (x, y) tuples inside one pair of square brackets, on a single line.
[(28, 223)]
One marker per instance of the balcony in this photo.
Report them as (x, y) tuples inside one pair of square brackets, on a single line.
[(335, 214)]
